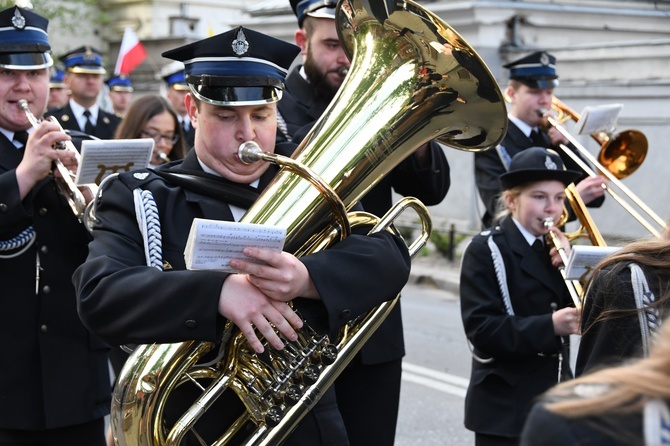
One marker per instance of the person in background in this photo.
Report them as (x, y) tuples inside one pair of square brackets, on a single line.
[(368, 391), (532, 80), (58, 93), (120, 94), (628, 294), (83, 76), (514, 301), (54, 383), (175, 81), (626, 405), (152, 116), (235, 80)]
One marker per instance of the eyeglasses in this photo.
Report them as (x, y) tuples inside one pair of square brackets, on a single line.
[(172, 139)]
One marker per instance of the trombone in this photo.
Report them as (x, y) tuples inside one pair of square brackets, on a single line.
[(618, 158), (66, 185), (574, 287)]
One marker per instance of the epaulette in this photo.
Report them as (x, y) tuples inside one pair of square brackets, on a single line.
[(137, 178), (488, 231)]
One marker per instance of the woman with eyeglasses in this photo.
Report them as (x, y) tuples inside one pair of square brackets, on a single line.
[(152, 116)]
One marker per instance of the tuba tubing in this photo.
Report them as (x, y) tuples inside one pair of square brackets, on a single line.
[(412, 79)]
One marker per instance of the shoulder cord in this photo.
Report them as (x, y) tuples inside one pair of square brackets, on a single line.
[(149, 224), (501, 276), (148, 221), (282, 127), (505, 159), (649, 316), (656, 423), (24, 240)]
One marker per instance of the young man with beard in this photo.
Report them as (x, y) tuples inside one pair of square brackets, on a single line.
[(368, 391)]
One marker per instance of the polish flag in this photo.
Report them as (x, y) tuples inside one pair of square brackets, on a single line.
[(131, 53)]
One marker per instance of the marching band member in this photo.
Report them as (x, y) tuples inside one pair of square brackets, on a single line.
[(532, 80), (120, 94), (514, 302), (54, 384), (235, 80), (58, 94)]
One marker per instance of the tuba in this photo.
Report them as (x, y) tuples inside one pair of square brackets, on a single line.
[(412, 79)]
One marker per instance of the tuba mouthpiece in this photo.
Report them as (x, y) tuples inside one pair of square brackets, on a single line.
[(342, 71)]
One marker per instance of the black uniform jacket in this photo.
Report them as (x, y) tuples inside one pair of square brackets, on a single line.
[(524, 347), (616, 338), (550, 429), (489, 167), (105, 126), (124, 301), (54, 371), (300, 109)]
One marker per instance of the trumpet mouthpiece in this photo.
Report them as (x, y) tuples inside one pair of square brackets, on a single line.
[(548, 222)]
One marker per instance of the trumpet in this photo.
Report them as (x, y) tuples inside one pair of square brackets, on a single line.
[(574, 287), (163, 157), (65, 182)]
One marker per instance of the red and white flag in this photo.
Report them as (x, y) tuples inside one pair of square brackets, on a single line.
[(131, 53)]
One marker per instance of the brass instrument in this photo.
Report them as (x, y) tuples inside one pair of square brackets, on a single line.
[(574, 287), (75, 198), (618, 158), (412, 79)]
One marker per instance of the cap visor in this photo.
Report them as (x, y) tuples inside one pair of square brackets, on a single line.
[(232, 96)]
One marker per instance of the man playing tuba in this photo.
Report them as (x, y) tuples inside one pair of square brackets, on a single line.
[(235, 79)]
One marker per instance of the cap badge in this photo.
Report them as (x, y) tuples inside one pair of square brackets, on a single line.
[(89, 54), (550, 164), (544, 59), (240, 45), (141, 175), (18, 20)]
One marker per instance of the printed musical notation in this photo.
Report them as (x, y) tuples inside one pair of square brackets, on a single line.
[(212, 243), (101, 158)]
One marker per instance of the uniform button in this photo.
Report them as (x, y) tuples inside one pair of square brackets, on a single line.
[(46, 289), (3, 207), (344, 314), (191, 323), (44, 249), (44, 328), (42, 212)]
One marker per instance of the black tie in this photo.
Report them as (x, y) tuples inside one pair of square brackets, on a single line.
[(537, 138), (542, 253), (89, 128), (21, 137), (184, 125)]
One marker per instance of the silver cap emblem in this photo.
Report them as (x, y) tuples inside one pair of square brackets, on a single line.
[(240, 44), (544, 59), (141, 175), (550, 164), (18, 20)]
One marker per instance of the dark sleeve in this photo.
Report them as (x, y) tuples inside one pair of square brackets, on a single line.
[(487, 325), (570, 164), (546, 428), (358, 273), (124, 301), (612, 339), (429, 184), (488, 169)]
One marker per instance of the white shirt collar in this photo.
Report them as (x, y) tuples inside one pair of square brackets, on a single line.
[(530, 238), (10, 135), (78, 112)]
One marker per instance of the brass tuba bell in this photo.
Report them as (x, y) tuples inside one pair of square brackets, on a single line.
[(412, 79)]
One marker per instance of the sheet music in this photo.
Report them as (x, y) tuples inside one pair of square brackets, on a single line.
[(103, 157), (213, 243), (584, 258), (596, 119)]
